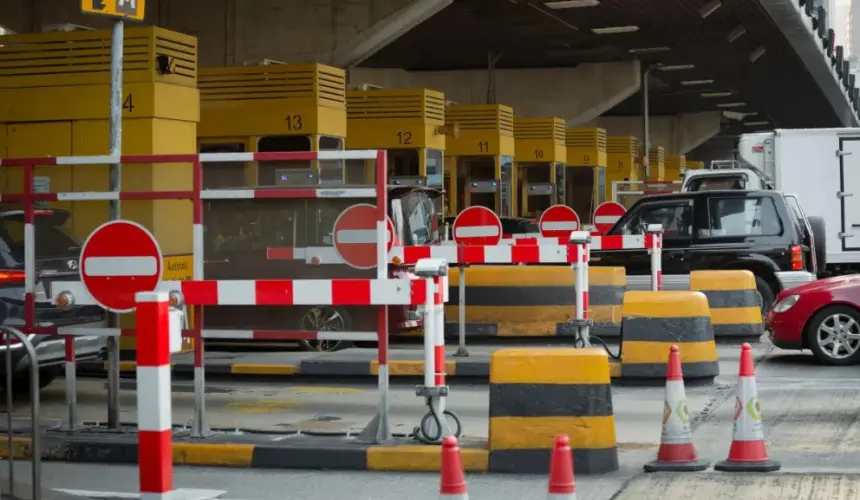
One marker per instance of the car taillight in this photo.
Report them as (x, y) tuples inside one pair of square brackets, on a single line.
[(796, 258), (11, 277)]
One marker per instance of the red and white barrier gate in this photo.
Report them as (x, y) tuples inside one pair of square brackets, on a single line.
[(200, 292)]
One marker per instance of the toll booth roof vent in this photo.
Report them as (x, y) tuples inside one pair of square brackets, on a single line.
[(394, 104), (676, 161), (482, 117), (83, 58), (586, 138), (324, 85), (692, 164), (657, 155), (539, 128), (622, 144)]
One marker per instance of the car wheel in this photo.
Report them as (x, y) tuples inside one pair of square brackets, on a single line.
[(834, 335), (325, 319), (767, 294)]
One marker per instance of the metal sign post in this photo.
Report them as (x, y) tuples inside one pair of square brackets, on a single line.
[(121, 10)]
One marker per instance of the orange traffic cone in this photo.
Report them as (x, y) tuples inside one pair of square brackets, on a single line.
[(561, 483), (452, 485), (677, 452), (748, 452)]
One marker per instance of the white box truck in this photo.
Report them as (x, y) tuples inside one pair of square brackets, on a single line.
[(821, 167)]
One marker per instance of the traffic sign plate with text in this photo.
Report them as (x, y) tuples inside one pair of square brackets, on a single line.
[(132, 10)]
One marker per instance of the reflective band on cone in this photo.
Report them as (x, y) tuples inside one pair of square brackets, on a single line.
[(748, 452), (677, 452), (452, 484), (561, 483)]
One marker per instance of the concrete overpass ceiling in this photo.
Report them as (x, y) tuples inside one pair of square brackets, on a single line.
[(708, 55)]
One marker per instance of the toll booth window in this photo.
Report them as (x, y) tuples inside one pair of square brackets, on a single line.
[(506, 167), (600, 194), (676, 219), (331, 171), (579, 186), (403, 163), (223, 175), (435, 168), (272, 173)]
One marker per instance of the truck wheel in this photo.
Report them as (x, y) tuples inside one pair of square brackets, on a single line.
[(833, 335), (325, 319), (819, 233), (767, 294)]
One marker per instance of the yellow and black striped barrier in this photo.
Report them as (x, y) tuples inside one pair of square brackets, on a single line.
[(536, 394), (653, 321), (734, 302), (532, 301)]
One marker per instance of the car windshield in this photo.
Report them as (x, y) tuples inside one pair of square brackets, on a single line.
[(51, 237)]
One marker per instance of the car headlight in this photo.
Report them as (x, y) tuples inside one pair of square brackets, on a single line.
[(786, 303)]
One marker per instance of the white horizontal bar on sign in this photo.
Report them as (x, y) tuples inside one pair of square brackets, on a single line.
[(89, 332), (347, 193), (476, 231), (227, 194), (356, 236), (355, 154), (91, 196), (606, 219), (87, 160), (560, 226), (225, 157), (121, 266)]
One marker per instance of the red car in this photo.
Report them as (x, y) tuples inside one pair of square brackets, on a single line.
[(822, 316)]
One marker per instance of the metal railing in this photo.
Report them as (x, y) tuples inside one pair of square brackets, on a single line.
[(35, 445)]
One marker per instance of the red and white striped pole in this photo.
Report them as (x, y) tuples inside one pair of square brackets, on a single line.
[(438, 334), (581, 240), (655, 232), (154, 415)]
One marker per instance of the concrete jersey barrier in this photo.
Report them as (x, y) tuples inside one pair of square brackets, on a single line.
[(537, 394), (734, 302), (653, 321)]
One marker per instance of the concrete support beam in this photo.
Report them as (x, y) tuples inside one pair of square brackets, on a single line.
[(377, 36), (343, 32), (578, 94), (677, 134)]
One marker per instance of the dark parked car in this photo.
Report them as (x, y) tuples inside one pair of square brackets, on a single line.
[(57, 259), (761, 231)]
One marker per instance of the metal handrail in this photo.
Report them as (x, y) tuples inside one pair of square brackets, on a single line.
[(35, 445)]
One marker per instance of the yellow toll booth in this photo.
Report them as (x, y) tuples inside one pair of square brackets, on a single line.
[(479, 161), (55, 90), (622, 158), (267, 108), (586, 170), (540, 164), (656, 164), (410, 124), (675, 164)]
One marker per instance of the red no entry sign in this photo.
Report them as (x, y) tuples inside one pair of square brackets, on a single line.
[(355, 236), (606, 215), (558, 221), (119, 259), (477, 226)]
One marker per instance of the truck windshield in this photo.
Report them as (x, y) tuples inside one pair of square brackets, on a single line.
[(421, 218)]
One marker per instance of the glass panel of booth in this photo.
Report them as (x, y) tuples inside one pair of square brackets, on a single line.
[(435, 167), (506, 166), (332, 171), (224, 175), (281, 173)]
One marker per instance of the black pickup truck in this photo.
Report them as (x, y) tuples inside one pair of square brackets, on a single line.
[(762, 231)]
